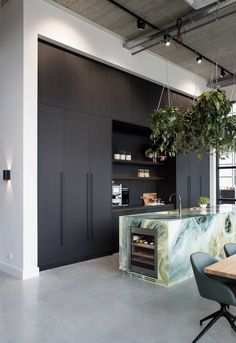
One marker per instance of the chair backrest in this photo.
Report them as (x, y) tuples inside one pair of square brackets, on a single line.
[(230, 249), (207, 286)]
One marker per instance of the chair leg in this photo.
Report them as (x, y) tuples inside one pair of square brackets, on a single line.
[(212, 322), (228, 316), (232, 317), (209, 317)]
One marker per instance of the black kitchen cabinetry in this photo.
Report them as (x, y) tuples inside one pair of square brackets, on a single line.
[(78, 99), (50, 184), (192, 177), (51, 75), (74, 186)]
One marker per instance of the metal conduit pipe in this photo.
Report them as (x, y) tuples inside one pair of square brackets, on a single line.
[(192, 17)]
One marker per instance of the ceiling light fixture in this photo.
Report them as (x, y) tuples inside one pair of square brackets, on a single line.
[(167, 40), (140, 24), (199, 59), (222, 73)]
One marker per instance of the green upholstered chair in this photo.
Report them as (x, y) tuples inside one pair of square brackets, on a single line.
[(230, 249), (212, 289)]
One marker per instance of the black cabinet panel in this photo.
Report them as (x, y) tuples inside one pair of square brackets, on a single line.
[(50, 183), (120, 96), (77, 83), (76, 151), (139, 98), (192, 177), (50, 75), (101, 129), (181, 101), (100, 94)]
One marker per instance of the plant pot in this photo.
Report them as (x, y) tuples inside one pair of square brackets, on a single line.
[(203, 206), (122, 156), (116, 156), (128, 157)]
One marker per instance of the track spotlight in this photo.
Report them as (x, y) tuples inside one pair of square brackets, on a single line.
[(199, 59), (140, 24), (167, 40), (222, 73)]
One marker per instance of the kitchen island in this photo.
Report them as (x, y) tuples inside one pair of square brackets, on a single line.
[(177, 237)]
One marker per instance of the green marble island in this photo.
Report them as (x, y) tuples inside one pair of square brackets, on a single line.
[(178, 236)]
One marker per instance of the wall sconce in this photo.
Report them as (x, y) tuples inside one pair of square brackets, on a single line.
[(6, 175)]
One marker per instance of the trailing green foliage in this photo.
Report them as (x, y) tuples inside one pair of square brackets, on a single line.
[(166, 125), (205, 127)]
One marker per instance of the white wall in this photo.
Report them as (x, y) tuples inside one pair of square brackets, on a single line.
[(11, 136), (42, 19), (231, 92)]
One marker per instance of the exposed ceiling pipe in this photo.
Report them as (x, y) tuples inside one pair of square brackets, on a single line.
[(226, 81), (190, 18)]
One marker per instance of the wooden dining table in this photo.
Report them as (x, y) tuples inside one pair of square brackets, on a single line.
[(225, 268)]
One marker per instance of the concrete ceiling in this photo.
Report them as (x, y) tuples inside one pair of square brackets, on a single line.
[(215, 40)]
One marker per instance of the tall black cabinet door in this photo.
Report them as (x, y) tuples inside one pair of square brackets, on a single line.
[(51, 81), (100, 153), (77, 83), (77, 185), (50, 184)]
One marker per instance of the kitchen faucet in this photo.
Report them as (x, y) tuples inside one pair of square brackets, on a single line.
[(177, 195)]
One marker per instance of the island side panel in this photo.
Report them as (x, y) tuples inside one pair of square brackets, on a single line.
[(207, 234), (225, 232)]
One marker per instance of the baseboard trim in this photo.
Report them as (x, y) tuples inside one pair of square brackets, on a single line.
[(17, 272)]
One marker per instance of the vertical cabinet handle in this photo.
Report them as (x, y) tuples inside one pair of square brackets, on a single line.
[(62, 205), (91, 207), (87, 206)]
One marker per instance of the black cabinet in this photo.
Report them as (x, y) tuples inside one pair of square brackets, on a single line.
[(50, 184), (192, 178), (139, 101), (120, 95), (100, 89), (76, 168), (74, 186), (50, 75), (77, 83)]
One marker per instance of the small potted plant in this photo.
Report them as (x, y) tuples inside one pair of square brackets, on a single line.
[(122, 154), (128, 156), (203, 201), (116, 155)]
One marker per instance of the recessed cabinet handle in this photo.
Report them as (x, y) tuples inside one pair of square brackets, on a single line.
[(62, 205), (91, 208), (87, 207)]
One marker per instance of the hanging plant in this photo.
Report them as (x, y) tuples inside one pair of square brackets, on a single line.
[(205, 127), (167, 126), (209, 127)]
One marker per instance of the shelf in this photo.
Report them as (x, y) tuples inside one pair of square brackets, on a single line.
[(140, 260), (126, 177), (149, 257), (144, 246), (138, 162)]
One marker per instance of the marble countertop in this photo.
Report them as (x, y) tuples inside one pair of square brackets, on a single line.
[(186, 213)]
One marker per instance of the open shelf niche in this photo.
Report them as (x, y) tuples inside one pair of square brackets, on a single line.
[(135, 139)]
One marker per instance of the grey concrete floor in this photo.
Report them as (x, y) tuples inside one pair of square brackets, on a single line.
[(92, 302)]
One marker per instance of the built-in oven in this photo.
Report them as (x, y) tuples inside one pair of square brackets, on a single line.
[(142, 251)]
